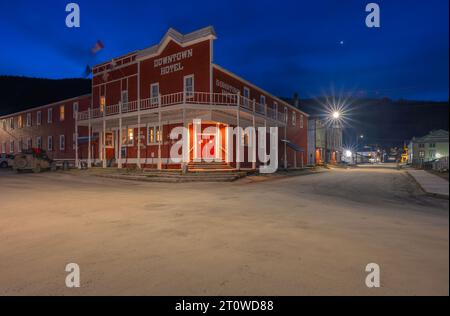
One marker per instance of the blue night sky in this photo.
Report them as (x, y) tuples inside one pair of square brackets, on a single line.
[(282, 46)]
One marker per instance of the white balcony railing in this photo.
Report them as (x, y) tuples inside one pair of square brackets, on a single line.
[(200, 98)]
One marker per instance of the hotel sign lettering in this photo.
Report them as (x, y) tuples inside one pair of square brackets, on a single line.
[(172, 63)]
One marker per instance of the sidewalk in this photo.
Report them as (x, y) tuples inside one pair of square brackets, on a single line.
[(430, 183)]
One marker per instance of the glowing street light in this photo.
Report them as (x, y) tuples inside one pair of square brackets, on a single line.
[(336, 115), (348, 153)]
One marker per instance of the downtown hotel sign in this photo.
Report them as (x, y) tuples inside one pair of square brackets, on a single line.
[(172, 63)]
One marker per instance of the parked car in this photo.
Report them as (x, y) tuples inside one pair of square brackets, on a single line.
[(6, 160), (34, 159)]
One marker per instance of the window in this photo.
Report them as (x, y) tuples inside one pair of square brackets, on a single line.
[(285, 114), (301, 121), (124, 96), (29, 143), (62, 142), (432, 145), (246, 97), (432, 154), (28, 119), (153, 135), (422, 154), (38, 118), (189, 86), (20, 121), (39, 142), (294, 118), (11, 123), (421, 145), (3, 148), (61, 113), (75, 109), (20, 149), (262, 100), (50, 115), (109, 140), (102, 103), (128, 137), (11, 146), (50, 143), (4, 124), (154, 93)]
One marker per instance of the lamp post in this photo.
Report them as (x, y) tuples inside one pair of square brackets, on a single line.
[(334, 117)]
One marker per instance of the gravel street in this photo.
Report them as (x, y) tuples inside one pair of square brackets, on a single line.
[(304, 235)]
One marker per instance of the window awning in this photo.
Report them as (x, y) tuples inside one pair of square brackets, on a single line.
[(293, 146)]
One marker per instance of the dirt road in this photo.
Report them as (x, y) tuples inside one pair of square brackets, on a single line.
[(304, 235)]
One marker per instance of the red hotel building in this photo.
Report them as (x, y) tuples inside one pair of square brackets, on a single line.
[(138, 98)]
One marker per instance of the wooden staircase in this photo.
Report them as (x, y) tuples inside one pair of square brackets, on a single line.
[(209, 166)]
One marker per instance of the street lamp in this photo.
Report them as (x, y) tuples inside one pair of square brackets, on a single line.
[(333, 119)]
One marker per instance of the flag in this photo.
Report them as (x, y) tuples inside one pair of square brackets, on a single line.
[(98, 47)]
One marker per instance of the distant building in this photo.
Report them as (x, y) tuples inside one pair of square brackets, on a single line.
[(324, 140), (428, 148)]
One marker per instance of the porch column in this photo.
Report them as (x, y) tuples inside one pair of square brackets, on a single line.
[(254, 139), (139, 114), (185, 155), (238, 139), (285, 148), (119, 140), (160, 134), (103, 140), (89, 138), (218, 139), (139, 138), (77, 163)]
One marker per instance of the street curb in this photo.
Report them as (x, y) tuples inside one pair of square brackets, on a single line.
[(435, 195)]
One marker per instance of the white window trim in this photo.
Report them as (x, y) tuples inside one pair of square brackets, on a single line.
[(28, 123), (50, 115), (113, 140), (75, 108), (11, 146), (62, 148), (193, 85), (155, 128), (39, 142), (261, 98), (38, 118), (154, 99), (294, 118), (49, 141)]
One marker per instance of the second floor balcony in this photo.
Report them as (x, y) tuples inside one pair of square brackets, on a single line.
[(200, 100)]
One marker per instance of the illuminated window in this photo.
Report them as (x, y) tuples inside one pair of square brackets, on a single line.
[(61, 113), (102, 103), (130, 136), (20, 121), (422, 154)]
